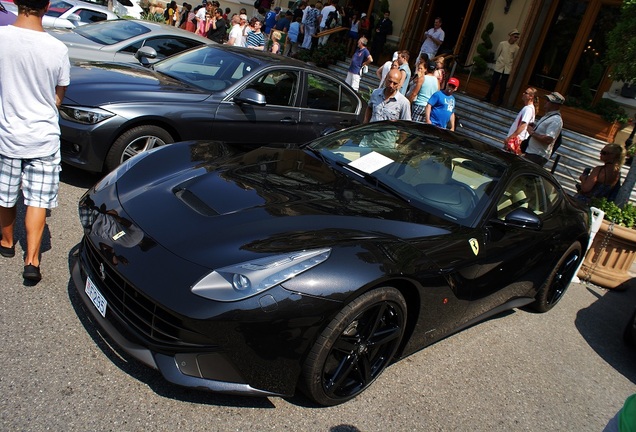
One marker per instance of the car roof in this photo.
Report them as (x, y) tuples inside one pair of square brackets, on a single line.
[(266, 58)]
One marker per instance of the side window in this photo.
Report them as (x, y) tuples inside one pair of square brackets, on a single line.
[(90, 16), (279, 87), (551, 194), (523, 192), (326, 94), (166, 46), (322, 94)]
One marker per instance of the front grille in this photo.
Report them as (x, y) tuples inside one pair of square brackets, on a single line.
[(134, 308)]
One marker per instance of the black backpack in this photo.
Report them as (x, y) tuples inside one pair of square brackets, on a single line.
[(166, 13), (332, 20)]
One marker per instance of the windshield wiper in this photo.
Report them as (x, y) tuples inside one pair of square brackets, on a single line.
[(374, 180), (317, 153)]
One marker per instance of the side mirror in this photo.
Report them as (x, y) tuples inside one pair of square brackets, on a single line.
[(75, 18), (250, 96), (144, 53), (523, 218)]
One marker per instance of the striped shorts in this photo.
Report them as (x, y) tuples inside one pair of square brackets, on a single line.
[(38, 178), (418, 113)]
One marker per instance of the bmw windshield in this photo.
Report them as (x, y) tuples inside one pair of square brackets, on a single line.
[(209, 68), (112, 32)]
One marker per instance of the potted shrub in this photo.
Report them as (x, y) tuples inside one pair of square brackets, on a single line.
[(612, 253)]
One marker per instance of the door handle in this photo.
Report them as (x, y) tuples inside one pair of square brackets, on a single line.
[(289, 120)]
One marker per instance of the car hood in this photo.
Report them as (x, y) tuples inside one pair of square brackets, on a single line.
[(98, 83), (265, 201)]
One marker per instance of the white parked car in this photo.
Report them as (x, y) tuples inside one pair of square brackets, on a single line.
[(69, 13), (123, 8), (119, 40), (73, 13)]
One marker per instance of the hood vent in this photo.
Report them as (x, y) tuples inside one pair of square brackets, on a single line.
[(193, 201)]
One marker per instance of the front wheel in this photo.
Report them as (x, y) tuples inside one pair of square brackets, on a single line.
[(557, 283), (356, 347), (134, 141)]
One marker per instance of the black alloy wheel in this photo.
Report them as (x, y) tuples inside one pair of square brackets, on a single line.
[(557, 283), (356, 347)]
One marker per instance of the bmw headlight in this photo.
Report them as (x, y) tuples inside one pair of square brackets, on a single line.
[(84, 115), (240, 281)]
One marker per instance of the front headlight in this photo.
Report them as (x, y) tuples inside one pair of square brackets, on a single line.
[(84, 115), (240, 281)]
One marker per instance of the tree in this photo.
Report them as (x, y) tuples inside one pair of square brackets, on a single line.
[(621, 44), (621, 56), (484, 56)]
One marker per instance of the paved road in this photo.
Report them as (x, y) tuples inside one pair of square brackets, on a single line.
[(566, 370)]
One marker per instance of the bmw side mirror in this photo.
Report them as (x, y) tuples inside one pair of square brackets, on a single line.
[(144, 53), (251, 97)]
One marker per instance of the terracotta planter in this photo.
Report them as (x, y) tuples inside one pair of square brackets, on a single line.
[(610, 257), (590, 124)]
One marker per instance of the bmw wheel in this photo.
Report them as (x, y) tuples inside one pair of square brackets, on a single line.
[(356, 347), (557, 283), (133, 141)]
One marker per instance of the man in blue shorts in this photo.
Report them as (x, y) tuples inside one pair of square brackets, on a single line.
[(35, 72), (440, 110)]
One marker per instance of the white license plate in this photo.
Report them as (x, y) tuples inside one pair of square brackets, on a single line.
[(96, 297)]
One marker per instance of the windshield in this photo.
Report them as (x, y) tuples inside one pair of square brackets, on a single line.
[(209, 68), (112, 32), (450, 180)]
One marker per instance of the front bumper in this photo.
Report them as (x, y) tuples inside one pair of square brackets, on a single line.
[(185, 369), (86, 146)]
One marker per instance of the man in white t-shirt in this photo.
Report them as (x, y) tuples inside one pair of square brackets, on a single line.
[(235, 38), (329, 7), (433, 38), (35, 71)]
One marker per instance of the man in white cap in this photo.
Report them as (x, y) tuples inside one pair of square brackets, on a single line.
[(504, 57), (545, 132)]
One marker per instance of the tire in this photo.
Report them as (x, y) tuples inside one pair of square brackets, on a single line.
[(557, 283), (355, 348), (134, 141), (629, 335)]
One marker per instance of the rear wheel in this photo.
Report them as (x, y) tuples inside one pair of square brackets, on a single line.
[(134, 141), (557, 283), (629, 335), (356, 347)]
